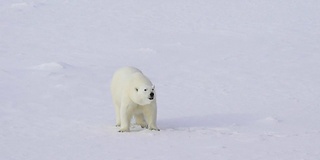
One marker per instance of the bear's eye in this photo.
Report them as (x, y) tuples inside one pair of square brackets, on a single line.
[(145, 89), (137, 89)]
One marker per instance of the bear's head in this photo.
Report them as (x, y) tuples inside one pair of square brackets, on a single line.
[(143, 94), (142, 91)]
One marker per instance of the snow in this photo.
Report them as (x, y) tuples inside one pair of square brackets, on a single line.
[(235, 80)]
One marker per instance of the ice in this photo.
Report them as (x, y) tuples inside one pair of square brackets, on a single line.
[(234, 79)]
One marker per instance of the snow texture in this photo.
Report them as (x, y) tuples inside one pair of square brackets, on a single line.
[(234, 79)]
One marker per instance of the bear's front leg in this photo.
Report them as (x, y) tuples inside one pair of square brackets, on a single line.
[(150, 113), (126, 116), (118, 117)]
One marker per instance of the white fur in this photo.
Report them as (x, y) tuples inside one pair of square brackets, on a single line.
[(130, 91)]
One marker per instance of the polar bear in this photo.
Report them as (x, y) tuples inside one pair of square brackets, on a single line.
[(133, 95)]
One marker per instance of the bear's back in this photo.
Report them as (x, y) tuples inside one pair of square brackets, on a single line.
[(127, 71), (123, 74), (121, 79)]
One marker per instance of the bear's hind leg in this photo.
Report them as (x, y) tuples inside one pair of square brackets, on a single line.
[(140, 120)]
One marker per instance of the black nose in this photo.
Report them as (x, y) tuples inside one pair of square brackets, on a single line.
[(151, 94)]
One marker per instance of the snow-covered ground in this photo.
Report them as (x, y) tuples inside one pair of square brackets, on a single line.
[(235, 79)]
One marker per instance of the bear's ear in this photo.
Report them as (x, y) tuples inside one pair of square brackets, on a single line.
[(137, 89)]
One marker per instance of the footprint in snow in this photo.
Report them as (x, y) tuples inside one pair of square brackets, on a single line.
[(51, 67)]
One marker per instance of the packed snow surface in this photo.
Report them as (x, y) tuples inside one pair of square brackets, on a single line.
[(234, 79)]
